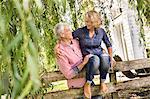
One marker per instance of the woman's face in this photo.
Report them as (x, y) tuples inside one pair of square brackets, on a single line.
[(89, 23), (67, 33)]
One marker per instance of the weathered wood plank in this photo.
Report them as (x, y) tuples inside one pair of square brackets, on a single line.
[(144, 93), (74, 93), (57, 76), (133, 84), (53, 76), (133, 64), (121, 66)]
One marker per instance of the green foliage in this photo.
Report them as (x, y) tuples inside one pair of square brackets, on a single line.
[(73, 12), (19, 37), (79, 11), (143, 8)]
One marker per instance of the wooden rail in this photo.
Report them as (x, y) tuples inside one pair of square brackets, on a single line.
[(120, 66)]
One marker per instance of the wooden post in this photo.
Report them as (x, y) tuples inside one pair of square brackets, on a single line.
[(113, 80)]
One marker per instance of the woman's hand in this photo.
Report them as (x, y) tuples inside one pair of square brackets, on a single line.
[(113, 63), (85, 61), (86, 58)]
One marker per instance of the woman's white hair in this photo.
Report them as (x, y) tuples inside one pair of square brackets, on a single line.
[(59, 28)]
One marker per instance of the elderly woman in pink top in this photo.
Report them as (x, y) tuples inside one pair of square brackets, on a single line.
[(70, 61)]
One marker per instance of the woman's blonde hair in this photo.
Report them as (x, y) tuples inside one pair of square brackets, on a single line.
[(94, 17)]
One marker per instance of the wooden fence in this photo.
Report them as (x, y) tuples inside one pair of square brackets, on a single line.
[(117, 90)]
